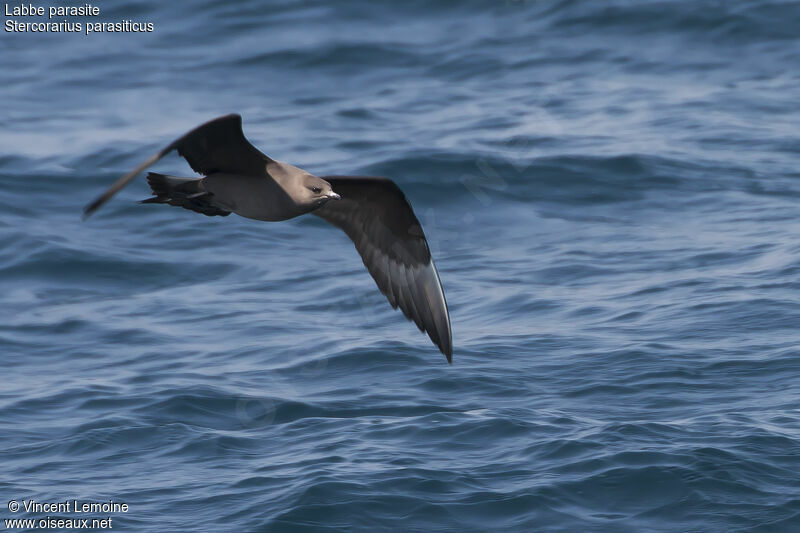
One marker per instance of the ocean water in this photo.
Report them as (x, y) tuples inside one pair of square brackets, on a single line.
[(612, 196)]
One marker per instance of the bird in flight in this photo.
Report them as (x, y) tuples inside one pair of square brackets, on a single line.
[(372, 211)]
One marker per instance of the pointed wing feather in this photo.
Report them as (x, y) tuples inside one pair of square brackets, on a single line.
[(377, 217)]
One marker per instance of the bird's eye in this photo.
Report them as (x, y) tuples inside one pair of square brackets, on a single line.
[(316, 190)]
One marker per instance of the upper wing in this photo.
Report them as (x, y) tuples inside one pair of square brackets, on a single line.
[(216, 146), (376, 216)]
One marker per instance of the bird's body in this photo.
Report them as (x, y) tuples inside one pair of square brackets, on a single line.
[(256, 197), (373, 212)]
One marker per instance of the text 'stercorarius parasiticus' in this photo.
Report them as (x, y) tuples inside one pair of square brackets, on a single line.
[(373, 212)]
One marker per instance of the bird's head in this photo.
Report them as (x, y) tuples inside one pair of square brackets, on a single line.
[(306, 190), (317, 191)]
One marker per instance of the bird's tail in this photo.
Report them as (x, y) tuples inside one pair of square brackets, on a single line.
[(188, 193)]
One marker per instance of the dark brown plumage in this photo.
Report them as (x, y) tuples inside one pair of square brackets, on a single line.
[(376, 216), (372, 211)]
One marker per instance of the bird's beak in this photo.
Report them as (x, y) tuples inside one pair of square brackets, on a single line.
[(334, 196)]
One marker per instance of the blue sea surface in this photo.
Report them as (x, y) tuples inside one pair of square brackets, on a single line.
[(611, 192)]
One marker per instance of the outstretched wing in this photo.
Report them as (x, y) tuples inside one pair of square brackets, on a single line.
[(376, 216), (216, 146)]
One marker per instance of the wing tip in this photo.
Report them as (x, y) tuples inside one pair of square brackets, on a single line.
[(442, 340), (444, 330), (448, 353), (93, 206), (445, 345)]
